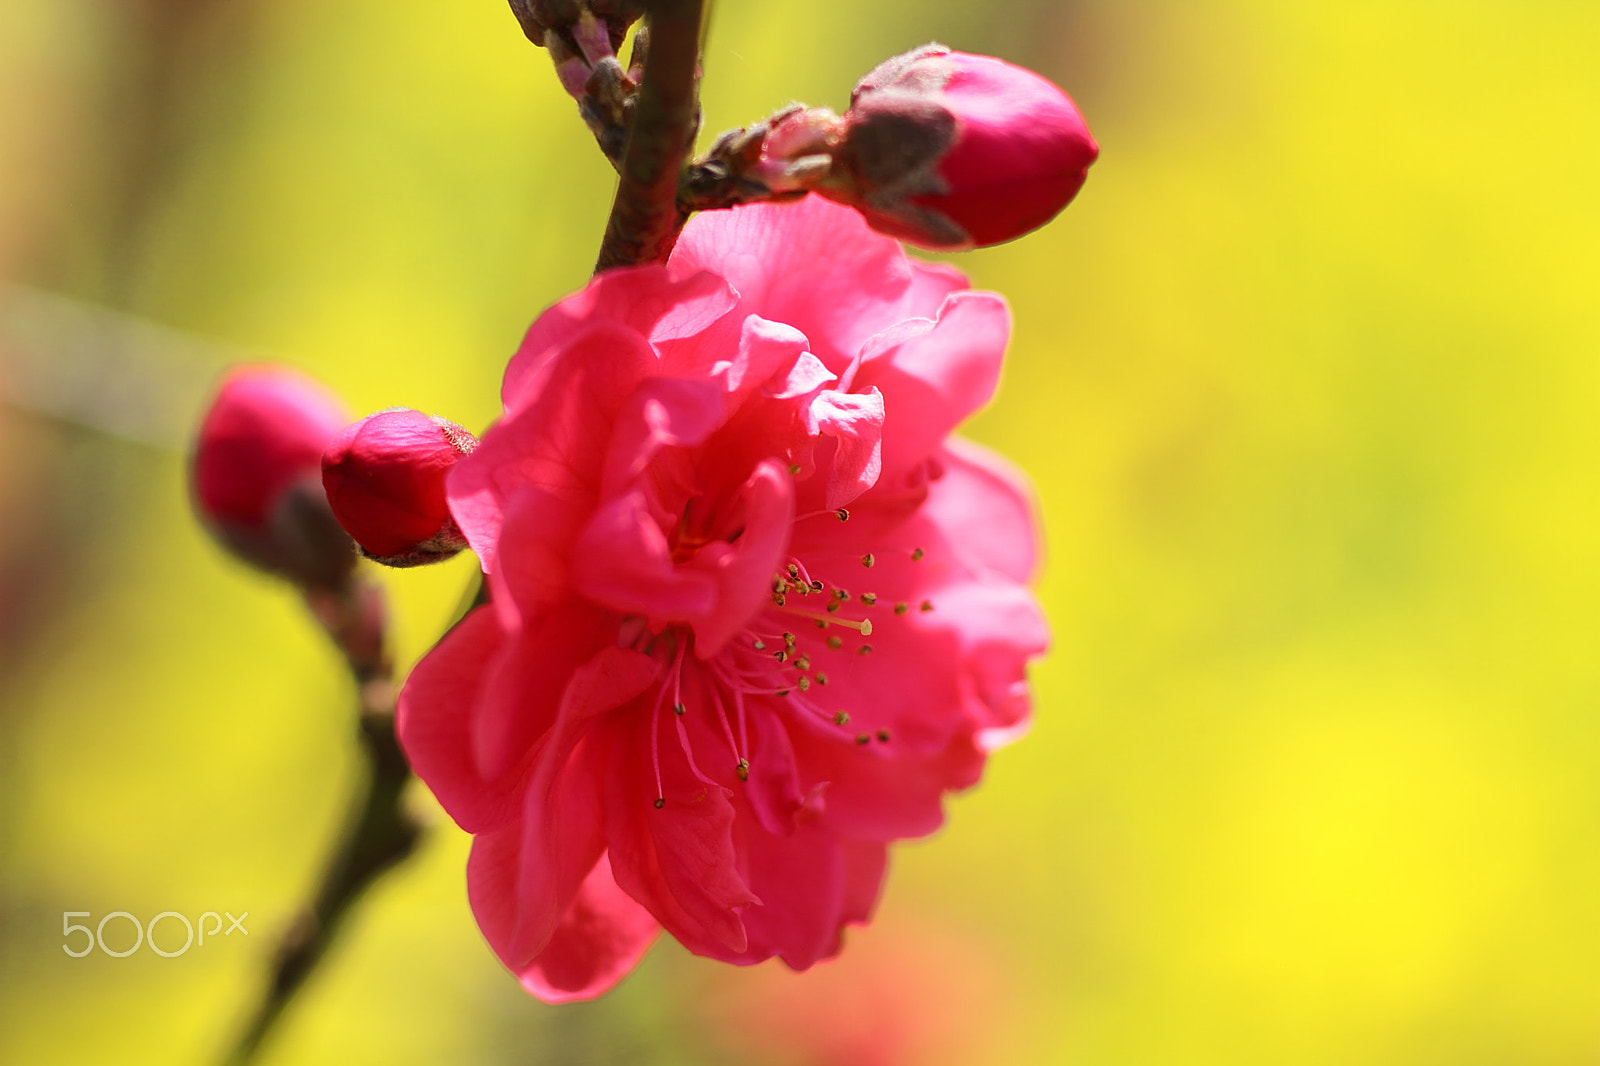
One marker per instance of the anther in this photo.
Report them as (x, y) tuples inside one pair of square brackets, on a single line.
[(822, 679), (781, 656), (901, 608), (788, 641), (794, 468), (743, 769), (833, 607), (794, 571), (803, 663), (678, 709), (927, 605), (760, 645), (816, 586), (865, 648), (835, 643), (661, 801), (883, 736), (781, 692), (867, 559), (917, 554), (803, 684), (843, 514), (841, 595), (822, 623), (869, 598), (842, 718), (777, 598), (863, 738)]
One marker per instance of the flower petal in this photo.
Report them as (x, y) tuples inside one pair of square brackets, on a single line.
[(434, 723), (603, 935), (855, 422), (521, 879), (644, 300), (985, 508), (627, 565), (550, 450), (679, 861), (742, 570), (770, 254), (933, 380), (800, 879)]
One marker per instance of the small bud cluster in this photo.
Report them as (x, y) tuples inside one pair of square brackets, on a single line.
[(582, 37), (286, 485), (570, 19)]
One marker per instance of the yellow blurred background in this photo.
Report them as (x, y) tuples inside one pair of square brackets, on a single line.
[(1307, 379)]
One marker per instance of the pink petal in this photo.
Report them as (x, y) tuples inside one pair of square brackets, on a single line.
[(601, 938), (985, 508), (664, 412), (743, 569), (643, 300), (770, 254), (627, 565), (855, 422), (679, 861), (930, 284), (773, 789), (518, 703), (434, 722), (551, 451), (865, 865), (800, 879), (521, 879), (765, 349), (932, 381)]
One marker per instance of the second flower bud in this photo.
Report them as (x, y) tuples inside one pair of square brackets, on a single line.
[(385, 479)]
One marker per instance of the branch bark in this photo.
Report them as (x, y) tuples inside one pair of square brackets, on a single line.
[(644, 220), (379, 833)]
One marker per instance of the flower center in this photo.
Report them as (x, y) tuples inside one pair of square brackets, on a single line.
[(785, 653)]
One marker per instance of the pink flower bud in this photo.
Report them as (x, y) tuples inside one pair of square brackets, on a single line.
[(256, 465), (949, 150), (385, 477)]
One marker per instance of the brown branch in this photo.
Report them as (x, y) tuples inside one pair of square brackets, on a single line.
[(644, 220), (379, 832)]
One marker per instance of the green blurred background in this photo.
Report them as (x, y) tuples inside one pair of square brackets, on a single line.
[(1307, 379)]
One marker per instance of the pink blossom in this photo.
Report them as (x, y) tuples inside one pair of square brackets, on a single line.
[(753, 610), (385, 476)]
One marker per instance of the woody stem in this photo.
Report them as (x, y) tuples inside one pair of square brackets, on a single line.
[(379, 833), (644, 220)]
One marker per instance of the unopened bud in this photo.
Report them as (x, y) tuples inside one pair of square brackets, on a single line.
[(256, 475), (578, 19), (385, 477), (949, 150)]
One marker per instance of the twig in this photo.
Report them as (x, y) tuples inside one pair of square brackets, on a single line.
[(379, 835), (644, 220)]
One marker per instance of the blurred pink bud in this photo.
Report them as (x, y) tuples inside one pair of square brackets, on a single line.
[(949, 150), (385, 475), (256, 464)]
